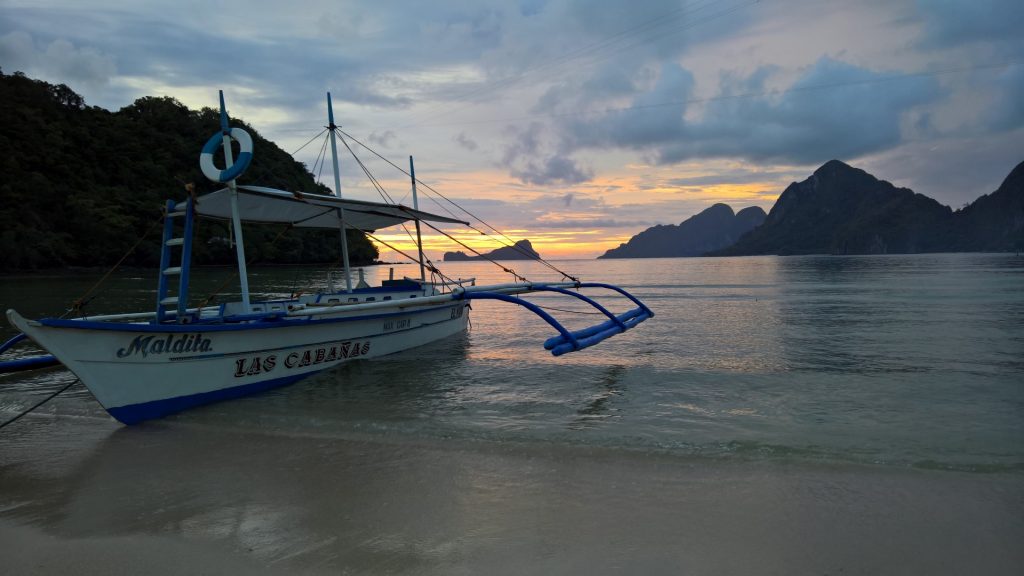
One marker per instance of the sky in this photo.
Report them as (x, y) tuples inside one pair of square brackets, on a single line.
[(572, 123)]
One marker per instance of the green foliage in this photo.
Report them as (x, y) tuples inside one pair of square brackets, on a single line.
[(81, 184)]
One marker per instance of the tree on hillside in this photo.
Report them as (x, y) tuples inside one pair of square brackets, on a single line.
[(81, 183)]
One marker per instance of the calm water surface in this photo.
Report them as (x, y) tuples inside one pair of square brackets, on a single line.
[(908, 361)]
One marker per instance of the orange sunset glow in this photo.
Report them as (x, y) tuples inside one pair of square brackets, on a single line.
[(567, 222)]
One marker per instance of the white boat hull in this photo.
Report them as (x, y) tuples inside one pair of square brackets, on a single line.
[(143, 371)]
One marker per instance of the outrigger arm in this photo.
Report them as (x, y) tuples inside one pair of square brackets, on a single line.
[(567, 341), (19, 364)]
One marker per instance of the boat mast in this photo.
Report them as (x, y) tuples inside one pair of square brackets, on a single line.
[(337, 191), (416, 206), (236, 221)]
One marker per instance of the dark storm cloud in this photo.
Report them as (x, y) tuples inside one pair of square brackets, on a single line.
[(834, 110)]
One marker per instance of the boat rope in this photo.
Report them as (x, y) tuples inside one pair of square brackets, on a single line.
[(514, 274), (566, 310), (299, 149), (321, 160), (84, 299), (427, 262), (376, 183), (512, 244), (257, 172), (388, 198), (38, 404), (445, 280)]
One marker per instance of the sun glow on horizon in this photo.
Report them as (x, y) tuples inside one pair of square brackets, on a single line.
[(571, 221)]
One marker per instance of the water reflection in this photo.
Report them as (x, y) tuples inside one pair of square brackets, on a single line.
[(600, 407), (885, 355)]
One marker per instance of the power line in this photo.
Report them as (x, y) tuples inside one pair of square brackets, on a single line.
[(593, 52), (660, 20), (745, 95)]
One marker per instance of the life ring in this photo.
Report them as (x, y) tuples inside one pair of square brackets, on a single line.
[(236, 169)]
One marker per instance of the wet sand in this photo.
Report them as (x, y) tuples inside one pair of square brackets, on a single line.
[(84, 496)]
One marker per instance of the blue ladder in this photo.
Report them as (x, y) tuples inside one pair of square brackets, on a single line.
[(166, 303)]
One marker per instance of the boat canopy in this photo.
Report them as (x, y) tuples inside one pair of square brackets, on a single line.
[(302, 210)]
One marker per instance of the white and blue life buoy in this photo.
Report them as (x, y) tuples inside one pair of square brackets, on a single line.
[(241, 163)]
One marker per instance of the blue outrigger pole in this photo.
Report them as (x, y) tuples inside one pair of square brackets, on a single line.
[(20, 364), (567, 341)]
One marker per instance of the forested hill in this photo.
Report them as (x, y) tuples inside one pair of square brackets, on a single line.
[(844, 210), (80, 184), (713, 229), (521, 250)]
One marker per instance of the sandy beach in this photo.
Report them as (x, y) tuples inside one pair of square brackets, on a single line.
[(81, 495)]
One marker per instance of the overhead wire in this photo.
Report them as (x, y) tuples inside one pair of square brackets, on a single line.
[(592, 51), (744, 95)]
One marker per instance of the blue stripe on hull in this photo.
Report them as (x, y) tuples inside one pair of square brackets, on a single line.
[(135, 413)]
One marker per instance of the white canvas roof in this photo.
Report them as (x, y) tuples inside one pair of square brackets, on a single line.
[(258, 204)]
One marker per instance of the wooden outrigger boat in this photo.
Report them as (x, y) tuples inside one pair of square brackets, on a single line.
[(148, 364)]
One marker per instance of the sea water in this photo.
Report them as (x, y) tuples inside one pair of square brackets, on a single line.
[(813, 414), (900, 360)]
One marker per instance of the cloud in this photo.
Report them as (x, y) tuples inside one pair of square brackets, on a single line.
[(383, 139), (587, 223), (952, 170), (833, 110), (957, 22), (646, 122), (527, 158), (1007, 110), (556, 169), (58, 60), (466, 142)]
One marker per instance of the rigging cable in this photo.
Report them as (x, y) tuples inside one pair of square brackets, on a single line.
[(429, 264), (388, 198), (481, 220), (321, 160), (460, 243), (376, 183)]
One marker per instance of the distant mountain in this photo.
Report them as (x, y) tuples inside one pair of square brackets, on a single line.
[(521, 250), (845, 210), (713, 229), (994, 222)]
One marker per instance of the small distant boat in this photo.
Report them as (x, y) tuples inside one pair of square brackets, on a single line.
[(146, 365)]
